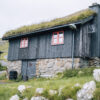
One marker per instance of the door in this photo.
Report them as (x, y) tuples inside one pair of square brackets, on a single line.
[(24, 70), (31, 69), (28, 69)]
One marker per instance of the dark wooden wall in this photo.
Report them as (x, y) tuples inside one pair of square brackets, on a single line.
[(40, 47), (86, 45), (95, 38), (13, 52), (85, 41)]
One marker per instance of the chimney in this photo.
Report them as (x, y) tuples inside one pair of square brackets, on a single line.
[(95, 7)]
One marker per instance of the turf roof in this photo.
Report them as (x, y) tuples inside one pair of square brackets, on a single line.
[(59, 21)]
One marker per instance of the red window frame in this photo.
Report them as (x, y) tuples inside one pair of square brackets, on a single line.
[(58, 38), (24, 43)]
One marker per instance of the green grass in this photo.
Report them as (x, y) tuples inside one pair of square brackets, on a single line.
[(2, 68), (6, 91), (4, 48), (59, 21), (65, 81), (3, 76), (79, 72)]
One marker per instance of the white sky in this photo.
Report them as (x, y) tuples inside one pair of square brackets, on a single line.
[(16, 13)]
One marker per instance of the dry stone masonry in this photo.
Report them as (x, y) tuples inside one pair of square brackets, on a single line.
[(50, 67), (95, 62), (14, 66)]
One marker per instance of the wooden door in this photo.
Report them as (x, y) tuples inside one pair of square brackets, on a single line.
[(28, 69), (24, 70), (31, 69)]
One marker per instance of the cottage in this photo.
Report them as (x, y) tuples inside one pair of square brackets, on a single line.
[(51, 47)]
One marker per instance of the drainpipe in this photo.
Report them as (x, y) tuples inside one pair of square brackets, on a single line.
[(73, 41), (73, 27)]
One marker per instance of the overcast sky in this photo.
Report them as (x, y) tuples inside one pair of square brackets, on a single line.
[(16, 13)]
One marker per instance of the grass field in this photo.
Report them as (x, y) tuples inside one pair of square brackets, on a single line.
[(67, 81), (7, 90)]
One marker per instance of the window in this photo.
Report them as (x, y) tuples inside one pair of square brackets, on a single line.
[(91, 28), (24, 43), (58, 38)]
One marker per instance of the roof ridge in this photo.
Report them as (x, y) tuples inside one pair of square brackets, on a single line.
[(55, 22)]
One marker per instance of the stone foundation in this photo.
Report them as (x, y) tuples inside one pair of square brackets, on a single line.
[(94, 62), (50, 67), (14, 66)]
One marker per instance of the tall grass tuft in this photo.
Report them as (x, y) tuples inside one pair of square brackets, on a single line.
[(78, 72)]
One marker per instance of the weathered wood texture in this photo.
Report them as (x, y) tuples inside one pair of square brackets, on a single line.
[(95, 38), (85, 41), (86, 45), (40, 47), (28, 68), (13, 52)]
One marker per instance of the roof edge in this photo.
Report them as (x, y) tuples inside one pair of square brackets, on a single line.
[(47, 29)]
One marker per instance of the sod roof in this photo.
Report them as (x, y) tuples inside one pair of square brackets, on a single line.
[(56, 22)]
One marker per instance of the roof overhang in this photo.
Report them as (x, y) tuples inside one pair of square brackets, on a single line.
[(47, 29)]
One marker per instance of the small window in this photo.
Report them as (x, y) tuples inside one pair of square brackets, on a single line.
[(58, 38), (24, 43)]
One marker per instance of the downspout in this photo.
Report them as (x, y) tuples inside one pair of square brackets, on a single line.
[(73, 27), (73, 50)]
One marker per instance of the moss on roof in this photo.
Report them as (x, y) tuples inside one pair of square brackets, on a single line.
[(59, 21)]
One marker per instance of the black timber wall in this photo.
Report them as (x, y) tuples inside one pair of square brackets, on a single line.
[(86, 44), (40, 46), (13, 52), (95, 38)]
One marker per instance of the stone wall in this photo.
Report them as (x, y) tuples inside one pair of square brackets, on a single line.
[(14, 66), (50, 67), (94, 62)]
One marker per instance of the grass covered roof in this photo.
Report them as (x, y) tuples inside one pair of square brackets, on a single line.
[(59, 21)]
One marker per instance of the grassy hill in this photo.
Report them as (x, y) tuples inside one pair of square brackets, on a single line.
[(4, 48)]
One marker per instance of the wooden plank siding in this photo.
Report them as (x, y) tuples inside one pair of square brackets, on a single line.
[(40, 46), (86, 40), (95, 37), (13, 52)]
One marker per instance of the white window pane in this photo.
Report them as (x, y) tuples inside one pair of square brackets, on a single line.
[(22, 42), (61, 35), (55, 36), (55, 41), (22, 45), (25, 41), (61, 40), (26, 44)]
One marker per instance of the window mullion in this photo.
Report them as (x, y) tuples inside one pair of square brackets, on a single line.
[(24, 42), (57, 37), (21, 44), (53, 38)]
